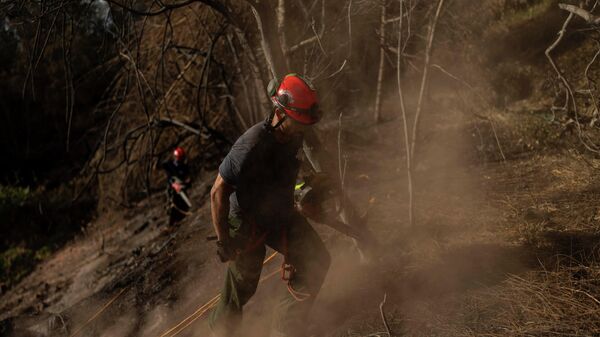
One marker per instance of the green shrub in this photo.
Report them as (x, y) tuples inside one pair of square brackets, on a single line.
[(43, 253), (18, 262), (517, 12), (11, 196), (15, 263)]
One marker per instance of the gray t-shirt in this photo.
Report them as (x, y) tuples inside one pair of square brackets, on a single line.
[(263, 173)]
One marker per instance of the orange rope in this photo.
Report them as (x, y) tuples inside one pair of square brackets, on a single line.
[(174, 331), (297, 295), (91, 319), (199, 310), (269, 258), (213, 304), (208, 306), (275, 272)]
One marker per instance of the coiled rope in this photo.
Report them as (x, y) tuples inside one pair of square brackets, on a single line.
[(174, 331)]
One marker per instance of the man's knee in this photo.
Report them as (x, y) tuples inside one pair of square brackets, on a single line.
[(312, 266), (323, 259), (246, 292), (320, 254)]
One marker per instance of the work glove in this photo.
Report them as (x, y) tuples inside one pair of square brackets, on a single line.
[(225, 251)]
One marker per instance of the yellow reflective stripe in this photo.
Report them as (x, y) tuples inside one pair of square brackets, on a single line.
[(299, 186)]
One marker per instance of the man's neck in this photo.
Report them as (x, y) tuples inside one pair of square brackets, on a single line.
[(279, 133), (281, 136)]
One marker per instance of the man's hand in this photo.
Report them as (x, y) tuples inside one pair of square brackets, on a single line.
[(310, 205), (225, 251)]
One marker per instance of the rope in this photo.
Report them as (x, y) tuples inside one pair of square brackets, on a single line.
[(271, 257), (211, 304), (297, 295), (174, 331), (98, 313), (275, 272)]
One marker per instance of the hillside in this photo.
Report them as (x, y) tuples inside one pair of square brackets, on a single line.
[(504, 241)]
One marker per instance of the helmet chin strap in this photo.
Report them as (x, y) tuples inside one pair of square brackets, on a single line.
[(269, 121)]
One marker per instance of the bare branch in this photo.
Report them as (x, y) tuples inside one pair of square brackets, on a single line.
[(383, 318), (381, 62), (264, 43), (303, 43), (281, 30), (584, 139), (425, 77), (218, 6), (587, 16), (404, 120)]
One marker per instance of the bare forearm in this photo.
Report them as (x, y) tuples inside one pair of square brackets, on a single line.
[(220, 210), (219, 207)]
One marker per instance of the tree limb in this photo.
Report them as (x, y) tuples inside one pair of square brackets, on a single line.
[(424, 79), (587, 16), (381, 62), (264, 43), (404, 121)]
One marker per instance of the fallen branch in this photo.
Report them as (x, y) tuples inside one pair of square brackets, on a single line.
[(587, 16)]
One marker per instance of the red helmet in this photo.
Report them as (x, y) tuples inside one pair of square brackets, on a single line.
[(298, 99), (179, 154)]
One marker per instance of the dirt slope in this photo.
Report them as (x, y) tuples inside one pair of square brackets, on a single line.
[(465, 245), (482, 259)]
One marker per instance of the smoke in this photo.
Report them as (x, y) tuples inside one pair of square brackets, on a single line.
[(122, 326)]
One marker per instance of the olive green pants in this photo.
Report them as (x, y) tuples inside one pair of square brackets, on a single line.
[(305, 252)]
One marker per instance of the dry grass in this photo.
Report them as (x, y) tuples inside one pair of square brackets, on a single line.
[(562, 301), (551, 214), (558, 298)]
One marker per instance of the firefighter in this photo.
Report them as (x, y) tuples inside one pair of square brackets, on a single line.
[(252, 205), (178, 181)]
